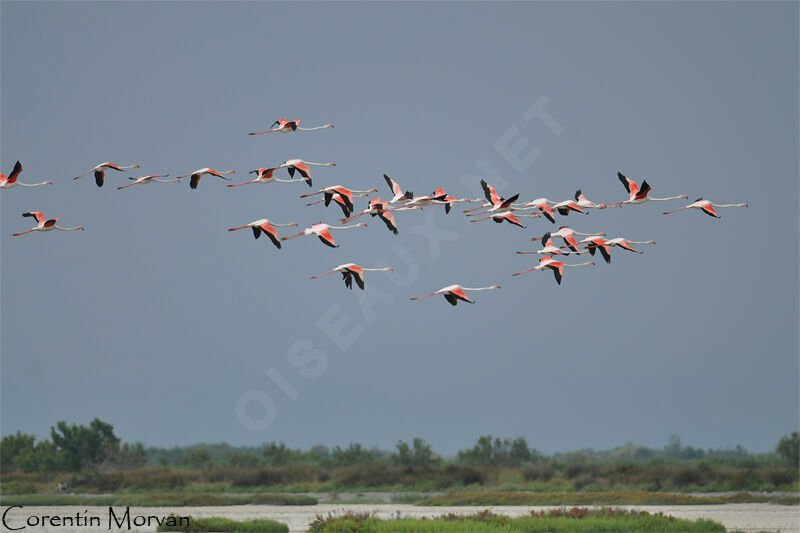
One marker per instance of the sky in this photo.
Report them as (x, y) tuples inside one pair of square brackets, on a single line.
[(159, 321)]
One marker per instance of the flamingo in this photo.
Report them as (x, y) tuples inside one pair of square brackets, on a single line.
[(423, 201), (639, 195), (11, 180), (266, 227), (345, 193), (596, 242), (197, 174), (302, 167), (556, 266), (454, 293), (285, 126), (100, 171), (149, 179), (45, 224), (264, 175), (584, 202), (550, 248), (322, 231), (496, 203), (626, 244), (382, 211), (568, 234), (351, 271), (568, 205), (449, 201), (340, 200), (399, 195), (543, 205), (705, 206), (508, 216)]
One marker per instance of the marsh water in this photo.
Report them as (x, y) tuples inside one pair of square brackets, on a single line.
[(740, 516)]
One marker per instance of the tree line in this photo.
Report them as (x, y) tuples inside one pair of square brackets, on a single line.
[(95, 448)]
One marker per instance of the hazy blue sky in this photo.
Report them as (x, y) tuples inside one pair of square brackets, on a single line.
[(159, 321)]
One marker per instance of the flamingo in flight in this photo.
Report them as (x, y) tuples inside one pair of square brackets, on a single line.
[(625, 244), (705, 206), (568, 235), (584, 202), (266, 227), (449, 201), (399, 195), (149, 179), (550, 248), (508, 216), (547, 262), (381, 210), (454, 293), (639, 195), (7, 182), (264, 175), (322, 231), (100, 171), (301, 166), (596, 242), (197, 174), (543, 205), (285, 126), (345, 193), (496, 203), (340, 201), (44, 224), (350, 272)]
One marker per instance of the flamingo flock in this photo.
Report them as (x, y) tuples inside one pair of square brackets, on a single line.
[(494, 207)]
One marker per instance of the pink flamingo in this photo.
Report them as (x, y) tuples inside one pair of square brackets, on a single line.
[(44, 224), (148, 179), (266, 227), (322, 231), (197, 174), (547, 262), (351, 271), (347, 194), (705, 206), (264, 175), (568, 234), (301, 166), (285, 126), (639, 195), (11, 181), (100, 171), (550, 248), (454, 293)]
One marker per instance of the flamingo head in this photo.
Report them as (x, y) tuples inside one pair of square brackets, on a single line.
[(48, 182), (80, 228), (684, 196), (495, 286), (328, 125), (651, 242), (362, 224)]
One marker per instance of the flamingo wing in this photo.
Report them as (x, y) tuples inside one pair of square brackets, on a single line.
[(643, 191), (358, 275), (629, 184), (490, 193), (396, 190), (326, 238), (458, 293), (38, 215), (98, 177), (512, 219), (14, 173), (194, 180), (270, 232), (709, 210), (569, 239), (51, 222), (558, 270), (388, 219)]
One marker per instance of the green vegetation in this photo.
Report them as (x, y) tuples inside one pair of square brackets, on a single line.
[(485, 498), (224, 525), (575, 519), (159, 499), (92, 460)]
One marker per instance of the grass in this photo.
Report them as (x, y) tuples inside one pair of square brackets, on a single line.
[(576, 519), (483, 498), (158, 499), (224, 525)]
